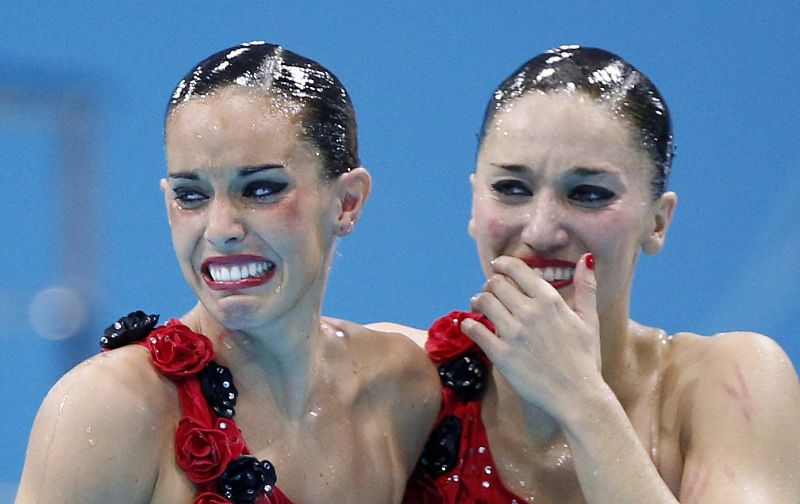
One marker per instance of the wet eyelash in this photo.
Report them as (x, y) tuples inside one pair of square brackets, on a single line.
[(511, 187), (589, 194), (263, 189), (189, 197)]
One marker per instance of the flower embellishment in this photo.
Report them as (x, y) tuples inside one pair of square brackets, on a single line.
[(204, 453), (128, 329), (209, 446), (245, 478), (466, 375), (445, 339), (441, 451), (216, 382), (211, 498), (178, 352)]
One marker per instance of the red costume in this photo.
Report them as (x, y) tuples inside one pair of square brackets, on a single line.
[(457, 466)]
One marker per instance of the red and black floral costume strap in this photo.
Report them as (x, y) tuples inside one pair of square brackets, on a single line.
[(456, 466), (208, 445)]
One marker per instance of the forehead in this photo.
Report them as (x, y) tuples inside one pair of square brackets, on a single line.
[(234, 127), (573, 129)]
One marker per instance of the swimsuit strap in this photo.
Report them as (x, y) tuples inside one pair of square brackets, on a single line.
[(456, 466), (209, 447)]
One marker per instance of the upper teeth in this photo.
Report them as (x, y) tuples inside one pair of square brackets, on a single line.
[(550, 273), (221, 273)]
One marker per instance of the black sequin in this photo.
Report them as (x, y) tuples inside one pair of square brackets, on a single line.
[(216, 382), (441, 451), (133, 327), (245, 478), (466, 375)]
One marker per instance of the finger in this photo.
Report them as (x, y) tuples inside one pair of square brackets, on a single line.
[(586, 291), (508, 293), (488, 304), (483, 337), (529, 282)]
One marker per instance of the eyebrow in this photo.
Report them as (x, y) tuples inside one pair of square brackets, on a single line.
[(243, 172), (588, 172), (511, 167)]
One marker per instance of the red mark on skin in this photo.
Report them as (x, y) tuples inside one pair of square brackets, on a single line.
[(696, 484), (223, 336), (741, 394), (729, 472)]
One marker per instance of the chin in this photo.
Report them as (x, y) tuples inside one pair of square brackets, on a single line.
[(237, 312)]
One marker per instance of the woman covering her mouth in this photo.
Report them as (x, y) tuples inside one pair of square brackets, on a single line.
[(253, 395), (552, 393)]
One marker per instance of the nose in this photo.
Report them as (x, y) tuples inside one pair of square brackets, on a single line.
[(225, 228), (544, 230)]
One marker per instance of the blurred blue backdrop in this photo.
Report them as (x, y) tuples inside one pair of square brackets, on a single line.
[(84, 85)]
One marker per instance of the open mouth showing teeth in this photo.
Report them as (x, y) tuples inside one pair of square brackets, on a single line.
[(551, 274), (238, 272)]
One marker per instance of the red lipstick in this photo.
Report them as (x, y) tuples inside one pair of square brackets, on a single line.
[(237, 272)]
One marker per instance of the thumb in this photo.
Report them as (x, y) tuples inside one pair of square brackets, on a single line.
[(586, 291)]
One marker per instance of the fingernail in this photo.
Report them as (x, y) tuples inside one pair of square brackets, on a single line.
[(590, 261)]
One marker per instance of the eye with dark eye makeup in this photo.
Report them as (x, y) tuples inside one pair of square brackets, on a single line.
[(591, 195), (263, 190), (511, 188), (189, 198)]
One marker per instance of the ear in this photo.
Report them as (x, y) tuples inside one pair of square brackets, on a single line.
[(471, 224), (165, 189), (352, 191), (653, 242)]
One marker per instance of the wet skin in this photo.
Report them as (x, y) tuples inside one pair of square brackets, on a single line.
[(582, 400), (341, 411)]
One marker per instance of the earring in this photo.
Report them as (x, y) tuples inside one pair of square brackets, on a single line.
[(346, 229)]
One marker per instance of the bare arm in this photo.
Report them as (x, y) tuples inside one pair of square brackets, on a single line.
[(743, 442), (740, 424), (95, 437), (611, 463)]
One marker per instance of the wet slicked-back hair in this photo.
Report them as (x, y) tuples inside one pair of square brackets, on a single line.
[(607, 78), (326, 114)]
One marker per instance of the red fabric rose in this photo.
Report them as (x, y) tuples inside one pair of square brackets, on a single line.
[(202, 452), (177, 351), (211, 498), (445, 339), (235, 439)]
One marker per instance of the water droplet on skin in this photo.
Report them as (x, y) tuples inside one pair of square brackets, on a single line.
[(61, 404)]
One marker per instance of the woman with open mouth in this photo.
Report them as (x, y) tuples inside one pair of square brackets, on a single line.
[(551, 392), (253, 395)]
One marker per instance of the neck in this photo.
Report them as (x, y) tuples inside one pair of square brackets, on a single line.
[(274, 360)]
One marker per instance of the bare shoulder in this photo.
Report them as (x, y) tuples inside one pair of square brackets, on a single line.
[(708, 355), (401, 386), (397, 370), (739, 405), (108, 413), (389, 354), (418, 336)]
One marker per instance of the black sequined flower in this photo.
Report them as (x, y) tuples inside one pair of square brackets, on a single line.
[(245, 478), (133, 327), (441, 451), (216, 381), (466, 375)]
